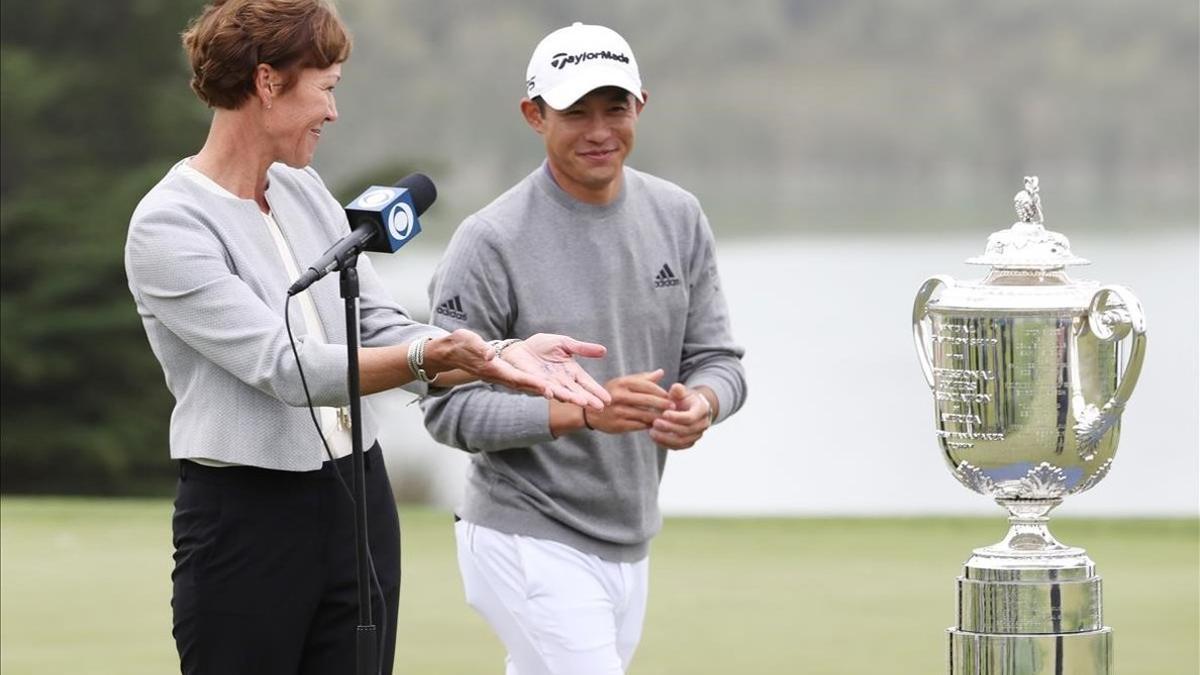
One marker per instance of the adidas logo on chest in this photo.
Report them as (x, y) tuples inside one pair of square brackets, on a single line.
[(666, 277), (453, 309)]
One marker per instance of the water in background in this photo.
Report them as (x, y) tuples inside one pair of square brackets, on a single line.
[(839, 420)]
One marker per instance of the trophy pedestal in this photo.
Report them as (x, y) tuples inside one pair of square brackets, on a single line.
[(1087, 653), (1030, 613)]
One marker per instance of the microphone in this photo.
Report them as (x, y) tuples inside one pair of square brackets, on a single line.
[(381, 219)]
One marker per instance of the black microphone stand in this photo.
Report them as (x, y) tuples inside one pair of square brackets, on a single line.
[(367, 655)]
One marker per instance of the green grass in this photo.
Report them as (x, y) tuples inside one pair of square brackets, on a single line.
[(86, 589)]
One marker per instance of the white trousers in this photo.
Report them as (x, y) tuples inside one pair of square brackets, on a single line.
[(557, 610)]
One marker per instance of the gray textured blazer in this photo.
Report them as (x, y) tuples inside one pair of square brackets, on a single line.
[(210, 289)]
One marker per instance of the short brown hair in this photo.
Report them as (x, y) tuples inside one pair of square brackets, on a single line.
[(229, 38)]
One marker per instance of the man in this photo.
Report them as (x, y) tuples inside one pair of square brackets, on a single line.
[(561, 503)]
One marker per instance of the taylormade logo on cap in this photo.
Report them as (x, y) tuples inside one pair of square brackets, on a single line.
[(572, 61), (562, 60)]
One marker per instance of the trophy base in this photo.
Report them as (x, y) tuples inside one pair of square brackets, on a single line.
[(1029, 607), (1088, 653), (1037, 611)]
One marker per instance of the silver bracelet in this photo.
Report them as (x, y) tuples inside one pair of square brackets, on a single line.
[(416, 360), (501, 345), (712, 416)]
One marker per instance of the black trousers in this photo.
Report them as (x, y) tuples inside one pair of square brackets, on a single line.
[(264, 578)]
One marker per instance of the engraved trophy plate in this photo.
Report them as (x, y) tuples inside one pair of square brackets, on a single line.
[(1029, 383)]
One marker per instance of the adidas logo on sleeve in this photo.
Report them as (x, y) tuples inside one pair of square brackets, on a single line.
[(666, 277), (452, 308)]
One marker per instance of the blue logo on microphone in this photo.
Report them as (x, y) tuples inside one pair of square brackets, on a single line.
[(392, 214), (400, 221)]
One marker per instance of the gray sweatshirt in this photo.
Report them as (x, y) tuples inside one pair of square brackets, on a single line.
[(638, 275)]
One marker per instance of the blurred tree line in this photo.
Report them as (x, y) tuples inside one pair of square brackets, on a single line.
[(824, 115), (95, 108)]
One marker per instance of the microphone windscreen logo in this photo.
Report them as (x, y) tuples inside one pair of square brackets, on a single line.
[(376, 198), (392, 213), (400, 221)]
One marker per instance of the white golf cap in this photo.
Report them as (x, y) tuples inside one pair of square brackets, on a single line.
[(572, 61)]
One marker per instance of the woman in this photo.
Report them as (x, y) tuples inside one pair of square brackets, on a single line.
[(264, 577)]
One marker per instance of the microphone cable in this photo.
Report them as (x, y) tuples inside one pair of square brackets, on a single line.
[(287, 322)]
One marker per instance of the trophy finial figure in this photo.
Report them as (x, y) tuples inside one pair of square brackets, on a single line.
[(1028, 203)]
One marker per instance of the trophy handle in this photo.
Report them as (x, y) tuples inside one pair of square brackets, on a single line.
[(1113, 314), (919, 314)]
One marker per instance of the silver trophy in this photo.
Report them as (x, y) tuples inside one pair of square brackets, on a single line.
[(1025, 369)]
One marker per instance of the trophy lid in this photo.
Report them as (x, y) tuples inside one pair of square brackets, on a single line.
[(1028, 245)]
